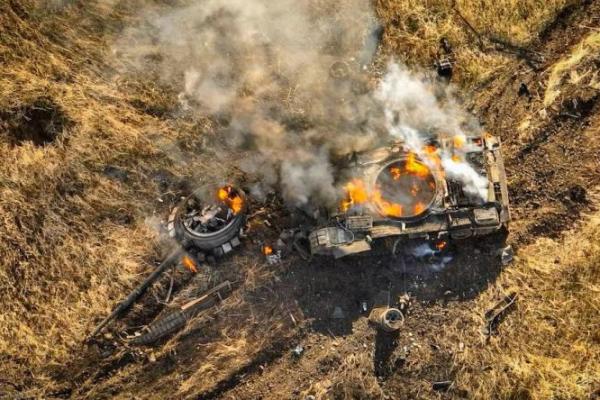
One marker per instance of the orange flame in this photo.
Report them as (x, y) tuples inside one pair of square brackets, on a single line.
[(267, 250), (414, 167), (419, 208), (414, 190), (396, 173), (386, 207), (431, 153), (430, 149), (459, 141), (356, 193), (189, 264), (441, 245), (231, 197)]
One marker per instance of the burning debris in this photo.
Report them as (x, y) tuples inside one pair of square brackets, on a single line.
[(404, 188), (210, 221), (272, 256), (207, 218)]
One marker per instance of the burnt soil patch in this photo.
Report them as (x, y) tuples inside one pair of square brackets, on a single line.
[(41, 122)]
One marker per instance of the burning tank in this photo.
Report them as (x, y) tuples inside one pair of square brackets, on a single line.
[(450, 188)]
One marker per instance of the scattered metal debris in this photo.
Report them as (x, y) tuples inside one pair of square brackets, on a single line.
[(139, 290), (507, 255), (442, 385), (298, 350), (273, 256), (386, 318), (404, 302), (445, 60), (364, 306), (177, 319), (494, 316)]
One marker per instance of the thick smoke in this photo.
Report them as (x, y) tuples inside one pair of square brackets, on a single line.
[(288, 82), (284, 76)]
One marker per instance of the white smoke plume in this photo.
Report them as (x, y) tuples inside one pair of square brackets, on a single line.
[(423, 251), (288, 82), (414, 112)]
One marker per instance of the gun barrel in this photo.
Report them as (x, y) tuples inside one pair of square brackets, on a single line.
[(139, 290)]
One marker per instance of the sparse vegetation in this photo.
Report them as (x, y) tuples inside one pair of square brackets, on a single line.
[(75, 239)]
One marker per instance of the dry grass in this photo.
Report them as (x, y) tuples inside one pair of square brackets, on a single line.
[(75, 240), (414, 29), (550, 346), (575, 68)]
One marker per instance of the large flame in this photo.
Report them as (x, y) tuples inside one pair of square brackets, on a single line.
[(410, 181), (387, 208), (356, 194), (413, 167), (231, 197)]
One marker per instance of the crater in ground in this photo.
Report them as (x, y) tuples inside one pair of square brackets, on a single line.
[(41, 122)]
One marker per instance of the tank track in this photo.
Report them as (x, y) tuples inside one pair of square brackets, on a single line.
[(176, 320)]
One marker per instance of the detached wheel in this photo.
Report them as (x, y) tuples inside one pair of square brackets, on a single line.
[(207, 220)]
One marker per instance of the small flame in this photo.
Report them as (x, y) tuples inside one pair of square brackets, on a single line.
[(414, 190), (189, 264), (456, 158), (441, 245), (386, 207), (431, 154), (231, 197), (419, 208), (430, 149), (267, 250), (396, 173), (459, 141)]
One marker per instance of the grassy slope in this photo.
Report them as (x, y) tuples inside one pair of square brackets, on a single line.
[(75, 240)]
